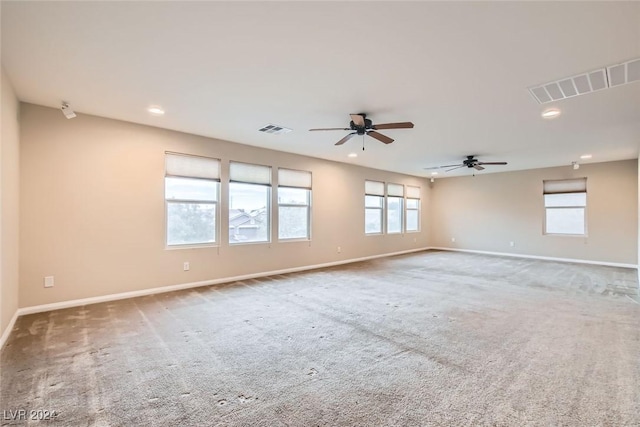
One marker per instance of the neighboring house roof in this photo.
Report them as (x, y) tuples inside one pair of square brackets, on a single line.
[(240, 217)]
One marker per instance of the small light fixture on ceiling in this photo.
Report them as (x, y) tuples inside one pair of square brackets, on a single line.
[(155, 110), (586, 156), (67, 111), (352, 155), (434, 173), (551, 113), (575, 165)]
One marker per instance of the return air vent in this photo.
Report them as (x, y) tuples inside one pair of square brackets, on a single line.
[(624, 73), (571, 86), (593, 81), (275, 129)]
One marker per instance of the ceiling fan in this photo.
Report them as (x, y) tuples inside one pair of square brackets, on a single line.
[(361, 126), (470, 162)]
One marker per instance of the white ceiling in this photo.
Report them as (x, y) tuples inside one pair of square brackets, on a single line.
[(459, 71)]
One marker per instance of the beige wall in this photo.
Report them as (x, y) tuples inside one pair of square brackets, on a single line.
[(9, 203), (92, 210), (488, 211)]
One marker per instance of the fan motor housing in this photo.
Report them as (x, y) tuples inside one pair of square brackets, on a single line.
[(361, 129), (470, 162)]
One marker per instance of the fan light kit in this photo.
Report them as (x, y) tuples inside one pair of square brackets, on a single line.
[(575, 165), (155, 110), (470, 162), (551, 113), (363, 126)]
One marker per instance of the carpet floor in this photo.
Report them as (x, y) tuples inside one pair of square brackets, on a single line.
[(427, 339)]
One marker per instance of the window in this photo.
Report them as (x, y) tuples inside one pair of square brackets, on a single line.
[(373, 207), (412, 222), (395, 208), (294, 201), (565, 203), (249, 203), (191, 188)]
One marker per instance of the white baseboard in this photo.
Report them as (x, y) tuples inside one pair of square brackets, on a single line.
[(545, 258), (8, 329), (179, 287)]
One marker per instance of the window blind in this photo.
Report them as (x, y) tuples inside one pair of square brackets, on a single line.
[(395, 190), (413, 192), (374, 188), (249, 173), (189, 166), (578, 185), (294, 178)]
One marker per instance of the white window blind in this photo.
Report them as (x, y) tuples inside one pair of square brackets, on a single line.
[(252, 174), (413, 192), (578, 185), (188, 166), (374, 188), (395, 190), (294, 178)]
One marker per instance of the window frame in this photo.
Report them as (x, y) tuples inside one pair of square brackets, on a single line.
[(564, 187), (373, 193), (215, 203), (309, 193), (395, 192), (268, 206), (416, 209)]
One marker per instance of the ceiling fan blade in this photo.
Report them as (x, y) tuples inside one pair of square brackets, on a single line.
[(491, 163), (402, 125), (346, 138), (331, 129), (457, 167), (478, 167), (440, 167), (380, 137), (357, 119)]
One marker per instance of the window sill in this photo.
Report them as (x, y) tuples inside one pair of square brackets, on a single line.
[(565, 235), (192, 246), (302, 239), (248, 243)]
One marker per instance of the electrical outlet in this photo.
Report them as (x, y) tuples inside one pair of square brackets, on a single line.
[(415, 239), (453, 240), (48, 282), (512, 244), (186, 266), (339, 249)]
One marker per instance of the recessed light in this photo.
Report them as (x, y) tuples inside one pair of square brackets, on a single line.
[(551, 113), (434, 173), (352, 155), (586, 156), (155, 110)]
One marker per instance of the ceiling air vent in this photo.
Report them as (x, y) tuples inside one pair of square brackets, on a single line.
[(603, 78), (275, 129), (628, 72), (570, 86)]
